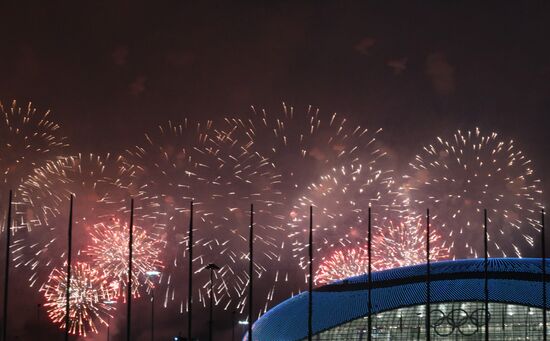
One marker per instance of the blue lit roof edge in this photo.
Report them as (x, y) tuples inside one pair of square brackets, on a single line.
[(288, 320)]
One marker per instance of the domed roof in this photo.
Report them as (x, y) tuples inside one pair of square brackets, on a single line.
[(511, 280)]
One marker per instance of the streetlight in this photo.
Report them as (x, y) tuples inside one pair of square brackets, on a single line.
[(212, 267), (241, 324), (151, 274)]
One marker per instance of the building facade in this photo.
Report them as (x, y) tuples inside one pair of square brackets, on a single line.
[(457, 304)]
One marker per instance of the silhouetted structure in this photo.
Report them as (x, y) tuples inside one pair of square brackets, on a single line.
[(69, 256), (251, 274), (7, 270), (190, 274), (544, 303), (129, 295), (486, 274), (428, 278), (212, 267), (369, 274), (310, 292)]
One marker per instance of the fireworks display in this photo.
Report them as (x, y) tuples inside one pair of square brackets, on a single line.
[(323, 160), (44, 201), (89, 301), (312, 152), (109, 252), (283, 163), (459, 177), (340, 201), (306, 145), (342, 264), (251, 152), (404, 243), (180, 163), (393, 245), (28, 139)]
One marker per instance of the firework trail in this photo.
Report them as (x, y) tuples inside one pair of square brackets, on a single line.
[(90, 299), (459, 177), (179, 163), (109, 252), (44, 199)]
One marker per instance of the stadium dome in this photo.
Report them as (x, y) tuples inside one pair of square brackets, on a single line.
[(340, 309)]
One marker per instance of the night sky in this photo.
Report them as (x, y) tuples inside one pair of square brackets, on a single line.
[(110, 71)]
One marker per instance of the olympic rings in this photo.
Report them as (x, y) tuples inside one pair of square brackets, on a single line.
[(465, 323)]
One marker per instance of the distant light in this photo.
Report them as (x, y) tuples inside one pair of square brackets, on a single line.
[(243, 322), (153, 273), (110, 302)]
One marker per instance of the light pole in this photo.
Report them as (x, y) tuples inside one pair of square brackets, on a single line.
[(38, 305), (212, 267), (68, 285), (7, 271), (109, 302), (153, 314), (129, 285), (233, 325), (243, 323), (251, 272), (190, 276), (151, 274), (310, 292)]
